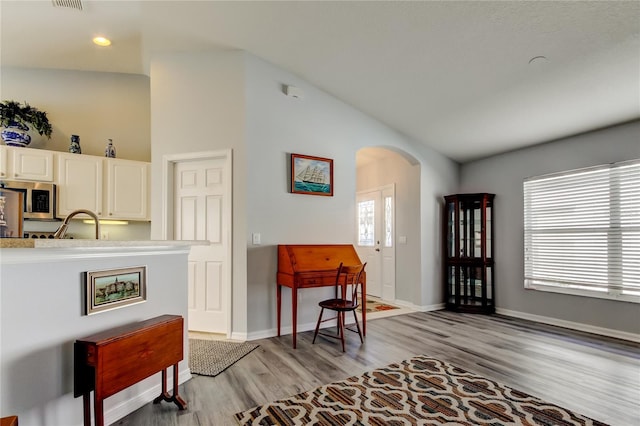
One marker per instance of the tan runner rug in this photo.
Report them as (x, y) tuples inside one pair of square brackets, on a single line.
[(212, 357), (418, 391)]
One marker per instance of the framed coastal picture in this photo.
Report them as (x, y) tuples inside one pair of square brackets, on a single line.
[(114, 288), (311, 175)]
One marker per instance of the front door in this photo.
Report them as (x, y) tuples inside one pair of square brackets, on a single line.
[(202, 211), (375, 240)]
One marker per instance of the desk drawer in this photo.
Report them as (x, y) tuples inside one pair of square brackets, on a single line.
[(317, 281)]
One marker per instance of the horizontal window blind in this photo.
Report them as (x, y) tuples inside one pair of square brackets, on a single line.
[(582, 231)]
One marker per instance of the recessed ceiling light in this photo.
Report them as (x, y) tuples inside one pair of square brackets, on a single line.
[(101, 41)]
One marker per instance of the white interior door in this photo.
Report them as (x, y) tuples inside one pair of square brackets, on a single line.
[(375, 240), (202, 211)]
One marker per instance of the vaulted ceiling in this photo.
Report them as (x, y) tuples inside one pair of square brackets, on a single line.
[(469, 79)]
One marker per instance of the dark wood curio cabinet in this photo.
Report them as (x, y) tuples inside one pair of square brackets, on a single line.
[(468, 248)]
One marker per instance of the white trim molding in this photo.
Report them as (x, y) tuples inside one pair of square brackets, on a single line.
[(633, 337)]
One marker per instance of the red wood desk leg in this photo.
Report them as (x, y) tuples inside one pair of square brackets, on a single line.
[(364, 308), (279, 305), (294, 313)]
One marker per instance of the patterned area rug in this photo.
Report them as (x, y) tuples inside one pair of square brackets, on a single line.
[(212, 357), (419, 391)]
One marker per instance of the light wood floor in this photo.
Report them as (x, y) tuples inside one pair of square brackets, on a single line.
[(596, 376)]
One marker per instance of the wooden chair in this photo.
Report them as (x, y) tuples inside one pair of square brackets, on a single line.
[(347, 276)]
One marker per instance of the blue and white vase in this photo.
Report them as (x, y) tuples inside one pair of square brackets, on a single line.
[(16, 135), (74, 147), (110, 150)]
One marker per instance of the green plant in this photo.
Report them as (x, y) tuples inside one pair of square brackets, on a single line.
[(15, 113)]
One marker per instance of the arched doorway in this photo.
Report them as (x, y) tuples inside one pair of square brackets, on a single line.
[(388, 222)]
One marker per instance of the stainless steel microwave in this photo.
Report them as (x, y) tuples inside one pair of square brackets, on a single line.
[(39, 198)]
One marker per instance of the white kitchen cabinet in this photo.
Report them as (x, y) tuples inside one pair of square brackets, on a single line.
[(3, 161), (127, 189), (112, 188), (26, 164), (79, 180)]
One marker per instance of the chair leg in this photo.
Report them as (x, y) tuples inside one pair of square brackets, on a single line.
[(357, 325), (341, 325), (317, 326)]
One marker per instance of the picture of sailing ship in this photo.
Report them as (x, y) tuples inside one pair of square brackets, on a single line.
[(311, 175)]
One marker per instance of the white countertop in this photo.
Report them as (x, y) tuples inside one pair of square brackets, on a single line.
[(82, 243)]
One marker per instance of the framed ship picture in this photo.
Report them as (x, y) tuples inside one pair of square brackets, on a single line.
[(311, 175)]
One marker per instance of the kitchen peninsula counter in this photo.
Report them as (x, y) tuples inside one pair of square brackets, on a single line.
[(82, 243), (42, 313)]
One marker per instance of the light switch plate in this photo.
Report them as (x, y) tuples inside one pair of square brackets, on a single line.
[(255, 238)]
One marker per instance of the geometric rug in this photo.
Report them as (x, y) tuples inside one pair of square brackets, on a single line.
[(212, 357), (418, 391)]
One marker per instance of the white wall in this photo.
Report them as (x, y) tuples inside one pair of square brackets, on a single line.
[(323, 126), (41, 316), (94, 105), (503, 175), (395, 169), (198, 104)]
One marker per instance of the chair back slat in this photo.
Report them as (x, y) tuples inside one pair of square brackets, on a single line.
[(352, 277)]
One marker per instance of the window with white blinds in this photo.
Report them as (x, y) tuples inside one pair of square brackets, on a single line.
[(582, 232)]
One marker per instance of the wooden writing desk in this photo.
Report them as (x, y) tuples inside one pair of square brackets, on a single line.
[(115, 359), (9, 421), (306, 266)]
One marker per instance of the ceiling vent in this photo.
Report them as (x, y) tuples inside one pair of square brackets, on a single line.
[(72, 4)]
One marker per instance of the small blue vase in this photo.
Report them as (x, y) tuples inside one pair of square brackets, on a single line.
[(16, 135), (110, 150), (74, 147)]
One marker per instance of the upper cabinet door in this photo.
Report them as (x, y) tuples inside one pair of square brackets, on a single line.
[(79, 180), (32, 164), (127, 190)]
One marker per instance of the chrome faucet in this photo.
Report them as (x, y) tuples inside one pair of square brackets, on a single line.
[(62, 230)]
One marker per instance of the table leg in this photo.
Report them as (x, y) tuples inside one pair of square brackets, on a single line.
[(294, 313), (86, 408), (164, 396), (98, 409), (364, 307), (279, 305), (181, 403)]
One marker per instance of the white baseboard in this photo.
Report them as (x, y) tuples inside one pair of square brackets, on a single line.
[(273, 332), (242, 337), (113, 414), (633, 337)]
